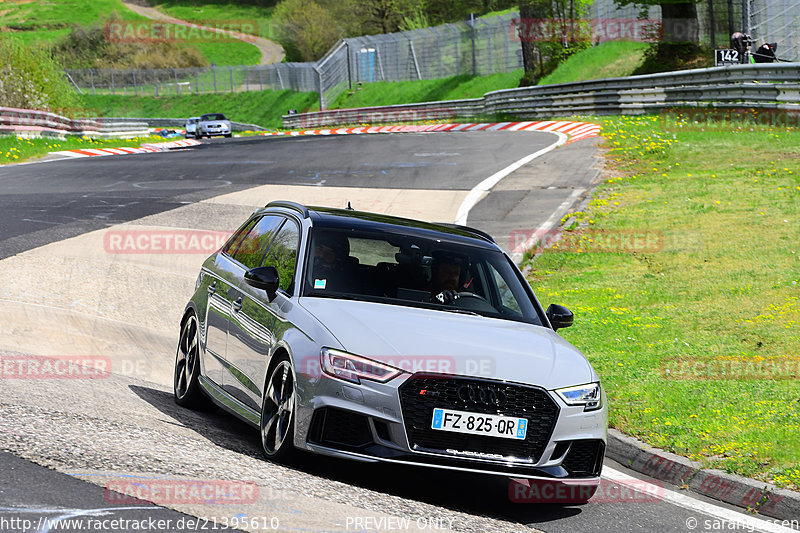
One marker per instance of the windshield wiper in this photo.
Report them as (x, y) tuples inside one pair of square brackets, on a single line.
[(460, 311)]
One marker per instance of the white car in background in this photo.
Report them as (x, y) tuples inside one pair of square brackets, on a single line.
[(213, 124), (191, 127)]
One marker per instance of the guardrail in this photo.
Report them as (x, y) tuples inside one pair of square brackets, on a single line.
[(763, 86), (31, 122), (178, 123)]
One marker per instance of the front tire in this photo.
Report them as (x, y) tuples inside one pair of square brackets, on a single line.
[(186, 380), (277, 411)]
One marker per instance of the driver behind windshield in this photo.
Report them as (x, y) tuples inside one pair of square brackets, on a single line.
[(445, 279)]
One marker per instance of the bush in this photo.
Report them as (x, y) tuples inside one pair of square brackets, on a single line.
[(305, 29), (87, 47), (32, 79)]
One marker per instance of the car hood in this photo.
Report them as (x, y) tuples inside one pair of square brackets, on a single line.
[(438, 341)]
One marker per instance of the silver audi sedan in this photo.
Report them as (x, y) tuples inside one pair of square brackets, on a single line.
[(376, 338), (212, 124)]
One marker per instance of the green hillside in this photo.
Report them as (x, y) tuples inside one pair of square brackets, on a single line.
[(611, 59), (46, 22)]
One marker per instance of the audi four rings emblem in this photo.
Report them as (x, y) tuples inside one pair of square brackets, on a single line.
[(481, 394)]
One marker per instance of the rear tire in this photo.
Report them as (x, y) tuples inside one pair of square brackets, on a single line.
[(277, 411), (186, 380)]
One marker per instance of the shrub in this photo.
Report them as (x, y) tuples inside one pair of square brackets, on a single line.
[(32, 79), (305, 29)]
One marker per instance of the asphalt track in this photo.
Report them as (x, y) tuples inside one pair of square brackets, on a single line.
[(51, 201)]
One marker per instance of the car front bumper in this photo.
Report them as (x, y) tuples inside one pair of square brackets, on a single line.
[(377, 422)]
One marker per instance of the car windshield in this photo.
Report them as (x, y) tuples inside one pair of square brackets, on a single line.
[(416, 271), (214, 116)]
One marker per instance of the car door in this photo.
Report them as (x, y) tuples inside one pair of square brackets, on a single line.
[(217, 281), (241, 327), (258, 323)]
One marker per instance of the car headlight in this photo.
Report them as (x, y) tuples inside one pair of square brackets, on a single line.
[(354, 368), (589, 395)]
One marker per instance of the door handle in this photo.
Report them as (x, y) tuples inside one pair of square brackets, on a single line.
[(237, 305), (212, 288)]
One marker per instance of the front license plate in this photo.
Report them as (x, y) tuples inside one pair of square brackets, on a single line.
[(507, 427)]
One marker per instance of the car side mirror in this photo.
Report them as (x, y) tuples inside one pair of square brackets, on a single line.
[(559, 316), (266, 278)]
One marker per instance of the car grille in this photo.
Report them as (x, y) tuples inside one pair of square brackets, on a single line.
[(477, 396), (584, 458)]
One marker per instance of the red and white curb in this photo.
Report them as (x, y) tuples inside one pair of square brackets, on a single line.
[(574, 130), (145, 148)]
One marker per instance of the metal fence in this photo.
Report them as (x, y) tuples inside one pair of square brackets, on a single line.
[(777, 21), (480, 47), (484, 46)]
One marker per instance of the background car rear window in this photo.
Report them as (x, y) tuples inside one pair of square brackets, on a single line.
[(214, 116), (282, 254), (252, 248)]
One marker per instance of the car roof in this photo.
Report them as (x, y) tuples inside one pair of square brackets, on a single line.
[(333, 218)]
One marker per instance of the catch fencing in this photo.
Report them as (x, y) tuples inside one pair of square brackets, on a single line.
[(480, 46)]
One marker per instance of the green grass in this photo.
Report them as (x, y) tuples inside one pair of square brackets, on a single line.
[(406, 92), (263, 108), (212, 12), (716, 306), (17, 149), (48, 21), (52, 14), (228, 52), (608, 60)]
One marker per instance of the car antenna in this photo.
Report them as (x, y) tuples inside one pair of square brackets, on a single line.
[(349, 207)]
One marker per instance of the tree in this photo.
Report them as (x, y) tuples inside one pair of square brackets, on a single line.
[(551, 28), (529, 12), (678, 19), (305, 29)]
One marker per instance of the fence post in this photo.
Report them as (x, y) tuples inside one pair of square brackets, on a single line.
[(91, 73), (472, 27), (230, 69), (488, 45), (196, 84), (746, 16), (711, 23), (155, 82), (112, 82), (214, 70), (507, 47), (349, 67), (135, 87), (261, 78), (177, 87), (319, 89)]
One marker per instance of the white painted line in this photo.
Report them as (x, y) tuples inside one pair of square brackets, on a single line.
[(486, 185), (68, 153), (736, 519), (556, 125), (521, 125), (518, 252)]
